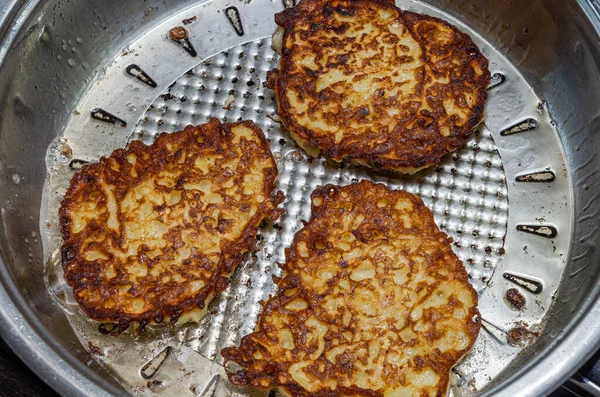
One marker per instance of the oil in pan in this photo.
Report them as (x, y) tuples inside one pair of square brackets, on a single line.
[(505, 197)]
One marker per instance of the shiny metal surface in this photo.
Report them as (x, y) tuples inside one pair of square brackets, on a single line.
[(43, 76), (8, 10), (469, 193)]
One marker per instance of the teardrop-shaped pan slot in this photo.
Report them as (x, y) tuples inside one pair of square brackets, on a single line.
[(496, 332), (539, 230), (151, 368), (107, 328), (76, 164), (495, 80), (537, 177), (137, 72), (179, 35), (210, 390), (521, 126), (233, 15), (533, 286), (102, 115)]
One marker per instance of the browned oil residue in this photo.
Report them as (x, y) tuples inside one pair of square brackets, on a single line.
[(189, 20), (155, 385), (521, 337), (515, 299), (295, 155), (178, 33), (95, 350)]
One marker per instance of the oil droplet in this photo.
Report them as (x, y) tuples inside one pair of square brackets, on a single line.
[(44, 35)]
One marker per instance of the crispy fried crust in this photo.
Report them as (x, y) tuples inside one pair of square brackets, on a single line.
[(366, 83), (373, 302), (152, 232)]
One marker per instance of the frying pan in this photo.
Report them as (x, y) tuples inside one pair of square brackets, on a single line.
[(521, 200)]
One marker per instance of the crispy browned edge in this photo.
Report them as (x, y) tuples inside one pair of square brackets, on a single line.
[(276, 79), (243, 355), (233, 254)]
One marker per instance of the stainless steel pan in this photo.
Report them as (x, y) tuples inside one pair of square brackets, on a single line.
[(521, 199)]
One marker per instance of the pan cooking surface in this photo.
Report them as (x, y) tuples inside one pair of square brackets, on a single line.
[(505, 197)]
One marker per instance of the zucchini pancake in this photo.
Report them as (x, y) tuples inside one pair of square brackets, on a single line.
[(152, 232), (364, 82), (372, 302)]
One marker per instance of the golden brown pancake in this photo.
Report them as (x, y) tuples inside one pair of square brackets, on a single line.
[(152, 232), (372, 302), (366, 83)]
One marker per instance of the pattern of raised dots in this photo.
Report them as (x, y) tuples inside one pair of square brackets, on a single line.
[(467, 191)]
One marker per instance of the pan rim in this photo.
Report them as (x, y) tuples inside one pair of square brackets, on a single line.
[(58, 367)]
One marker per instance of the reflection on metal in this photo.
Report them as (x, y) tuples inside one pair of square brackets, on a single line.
[(522, 126), (137, 72), (452, 196), (539, 230), (103, 115), (533, 286), (234, 17)]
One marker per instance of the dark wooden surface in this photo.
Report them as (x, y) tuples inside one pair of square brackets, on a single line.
[(16, 380)]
